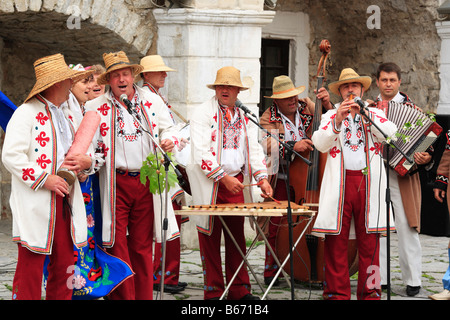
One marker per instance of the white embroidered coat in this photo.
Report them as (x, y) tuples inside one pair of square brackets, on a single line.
[(331, 203), (206, 149), (157, 118), (29, 153)]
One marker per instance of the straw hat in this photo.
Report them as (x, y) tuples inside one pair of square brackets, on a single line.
[(50, 70), (115, 61), (349, 75), (228, 76), (154, 63), (283, 87)]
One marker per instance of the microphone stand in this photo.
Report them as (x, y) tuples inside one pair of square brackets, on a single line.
[(289, 210), (388, 198), (167, 162)]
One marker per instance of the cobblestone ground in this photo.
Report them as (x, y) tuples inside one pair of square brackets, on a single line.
[(434, 263)]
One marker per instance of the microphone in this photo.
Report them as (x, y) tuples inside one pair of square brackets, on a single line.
[(244, 108), (359, 102), (127, 102)]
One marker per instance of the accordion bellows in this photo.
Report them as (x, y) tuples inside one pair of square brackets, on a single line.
[(416, 133)]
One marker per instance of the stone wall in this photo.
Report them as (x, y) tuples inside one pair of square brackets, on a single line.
[(81, 30), (407, 36)]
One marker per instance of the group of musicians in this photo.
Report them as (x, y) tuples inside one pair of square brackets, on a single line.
[(226, 160)]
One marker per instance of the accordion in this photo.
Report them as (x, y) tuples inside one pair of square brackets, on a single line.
[(416, 133)]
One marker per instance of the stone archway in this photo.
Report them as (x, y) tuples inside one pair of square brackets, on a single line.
[(81, 30)]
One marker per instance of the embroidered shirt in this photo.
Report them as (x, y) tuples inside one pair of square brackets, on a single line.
[(64, 134), (397, 98), (354, 141), (132, 144), (233, 154), (293, 132)]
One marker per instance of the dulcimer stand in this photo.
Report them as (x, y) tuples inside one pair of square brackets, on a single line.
[(252, 211)]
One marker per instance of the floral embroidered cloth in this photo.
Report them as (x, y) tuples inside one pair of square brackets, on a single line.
[(96, 273)]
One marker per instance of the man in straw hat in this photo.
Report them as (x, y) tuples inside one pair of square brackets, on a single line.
[(352, 188), (225, 150), (290, 118), (48, 215), (130, 212), (154, 74)]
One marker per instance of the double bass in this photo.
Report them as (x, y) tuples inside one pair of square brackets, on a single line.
[(308, 258)]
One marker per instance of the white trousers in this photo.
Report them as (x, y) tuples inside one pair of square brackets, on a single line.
[(409, 248)]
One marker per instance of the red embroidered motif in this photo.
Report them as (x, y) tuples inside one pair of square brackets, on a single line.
[(377, 147), (42, 139), (104, 109), (334, 152), (206, 165), (42, 161), (382, 119), (103, 129), (28, 173), (41, 118), (175, 141), (232, 133), (147, 104), (103, 148)]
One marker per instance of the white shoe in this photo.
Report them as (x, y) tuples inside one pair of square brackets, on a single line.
[(444, 295)]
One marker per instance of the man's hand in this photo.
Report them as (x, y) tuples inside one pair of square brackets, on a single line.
[(422, 157), (57, 184), (183, 143), (324, 95), (167, 145), (266, 188), (303, 145), (344, 109), (77, 162), (232, 184), (439, 194)]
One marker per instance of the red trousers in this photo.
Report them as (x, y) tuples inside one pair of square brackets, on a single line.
[(134, 237), (211, 256), (27, 283), (173, 251), (337, 281)]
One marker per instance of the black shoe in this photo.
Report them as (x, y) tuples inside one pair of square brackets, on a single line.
[(168, 288), (182, 284), (268, 280), (250, 297), (412, 291)]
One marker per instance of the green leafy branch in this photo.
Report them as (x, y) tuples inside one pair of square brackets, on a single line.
[(153, 171)]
